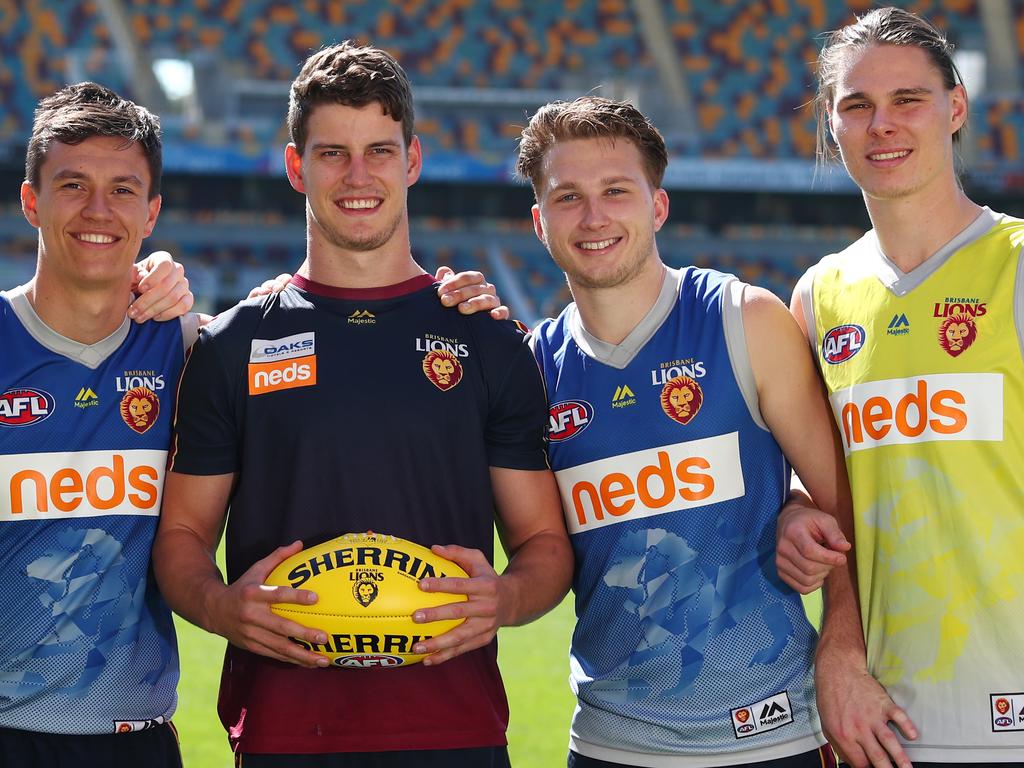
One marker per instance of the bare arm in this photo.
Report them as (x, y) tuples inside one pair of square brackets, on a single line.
[(539, 568), (191, 521), (855, 709)]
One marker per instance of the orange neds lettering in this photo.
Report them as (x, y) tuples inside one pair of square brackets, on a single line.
[(911, 415), (66, 489), (617, 493)]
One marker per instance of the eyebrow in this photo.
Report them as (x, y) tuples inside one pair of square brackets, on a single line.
[(68, 175), (893, 94), (332, 145), (608, 181)]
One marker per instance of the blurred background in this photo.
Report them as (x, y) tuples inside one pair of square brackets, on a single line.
[(729, 84)]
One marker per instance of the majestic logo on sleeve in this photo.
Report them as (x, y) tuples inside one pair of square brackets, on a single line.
[(681, 398), (568, 418), (841, 343), (22, 406), (442, 369), (957, 333), (139, 408)]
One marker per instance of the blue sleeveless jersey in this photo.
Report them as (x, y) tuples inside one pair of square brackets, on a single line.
[(687, 643), (86, 642)]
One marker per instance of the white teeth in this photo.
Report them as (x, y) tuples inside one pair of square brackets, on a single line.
[(91, 237), (368, 203), (598, 245), (891, 155)]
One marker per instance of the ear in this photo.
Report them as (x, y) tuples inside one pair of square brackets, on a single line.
[(293, 167), (828, 125), (29, 204), (660, 208), (958, 103), (538, 226), (154, 211), (414, 160)]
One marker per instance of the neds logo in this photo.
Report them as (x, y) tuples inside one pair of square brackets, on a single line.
[(650, 482), (921, 409), (841, 343)]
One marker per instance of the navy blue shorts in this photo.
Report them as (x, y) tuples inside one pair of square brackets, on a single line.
[(155, 747)]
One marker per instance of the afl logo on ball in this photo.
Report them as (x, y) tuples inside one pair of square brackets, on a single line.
[(568, 418), (842, 343), (23, 406)]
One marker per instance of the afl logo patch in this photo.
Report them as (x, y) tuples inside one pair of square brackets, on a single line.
[(139, 408), (841, 343), (443, 369), (568, 418), (23, 406), (681, 398)]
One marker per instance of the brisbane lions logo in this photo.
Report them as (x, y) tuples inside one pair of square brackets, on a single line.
[(1002, 706), (139, 408), (443, 369), (743, 715), (365, 592), (957, 333), (681, 398)]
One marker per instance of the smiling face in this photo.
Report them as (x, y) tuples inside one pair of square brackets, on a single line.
[(92, 211), (894, 119), (597, 212), (355, 172)]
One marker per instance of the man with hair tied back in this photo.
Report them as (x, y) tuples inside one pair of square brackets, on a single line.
[(88, 664), (918, 328), (370, 439)]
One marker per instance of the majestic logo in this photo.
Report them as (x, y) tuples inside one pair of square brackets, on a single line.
[(568, 418), (940, 406), (139, 409), (623, 396), (773, 712), (86, 398), (841, 343), (898, 326), (957, 333), (22, 406), (681, 398), (362, 317), (442, 368), (651, 482), (365, 590)]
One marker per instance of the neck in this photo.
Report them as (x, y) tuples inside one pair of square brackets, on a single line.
[(330, 264), (83, 315), (611, 314), (912, 229)]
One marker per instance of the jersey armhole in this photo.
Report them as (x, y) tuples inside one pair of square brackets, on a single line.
[(805, 291), (189, 330), (736, 346)]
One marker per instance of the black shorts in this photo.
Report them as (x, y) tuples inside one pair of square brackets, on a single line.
[(155, 747), (480, 757), (823, 757)]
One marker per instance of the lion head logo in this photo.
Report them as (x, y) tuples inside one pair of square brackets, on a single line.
[(139, 408), (1003, 706), (957, 333), (743, 715), (365, 591), (681, 398), (443, 369)]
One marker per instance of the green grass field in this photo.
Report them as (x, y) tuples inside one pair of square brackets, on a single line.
[(534, 663)]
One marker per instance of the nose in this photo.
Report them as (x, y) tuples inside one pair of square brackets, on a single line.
[(358, 174), (881, 121), (97, 207), (594, 216)]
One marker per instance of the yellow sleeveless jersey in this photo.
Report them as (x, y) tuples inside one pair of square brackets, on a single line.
[(925, 373)]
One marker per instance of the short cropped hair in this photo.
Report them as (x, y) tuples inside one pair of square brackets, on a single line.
[(589, 117), (353, 76), (79, 112)]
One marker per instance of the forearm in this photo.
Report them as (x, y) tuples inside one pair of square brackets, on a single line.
[(188, 576), (538, 576)]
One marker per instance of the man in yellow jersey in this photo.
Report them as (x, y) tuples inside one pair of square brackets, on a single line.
[(917, 329)]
